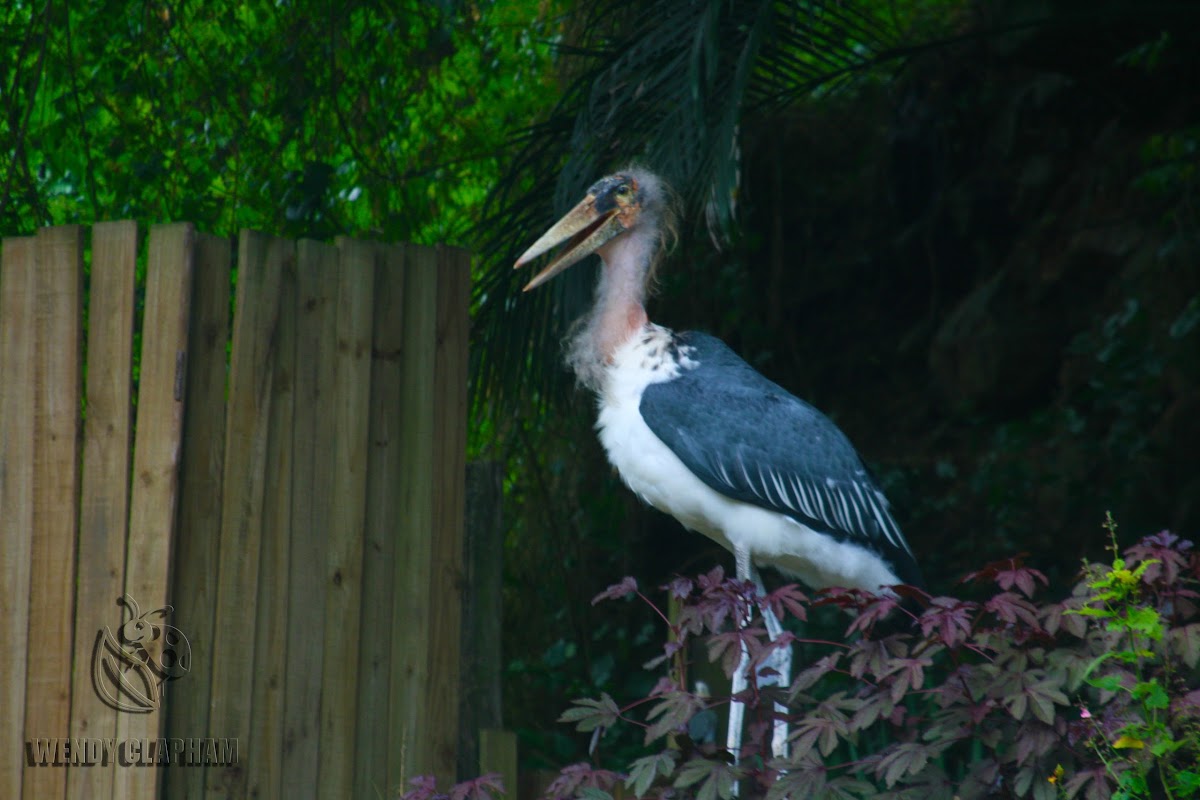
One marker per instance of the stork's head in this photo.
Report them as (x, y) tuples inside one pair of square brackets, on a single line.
[(631, 201)]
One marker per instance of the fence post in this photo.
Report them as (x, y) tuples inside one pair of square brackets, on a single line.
[(384, 509), (312, 475), (18, 287), (427, 587), (344, 546), (483, 558), (247, 422), (57, 376), (156, 447), (194, 586), (266, 745), (104, 507)]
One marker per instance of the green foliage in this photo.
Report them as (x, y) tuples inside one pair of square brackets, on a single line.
[(1122, 599), (300, 118)]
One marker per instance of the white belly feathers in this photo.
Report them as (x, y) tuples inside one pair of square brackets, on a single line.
[(657, 475)]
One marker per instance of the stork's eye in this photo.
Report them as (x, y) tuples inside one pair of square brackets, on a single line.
[(623, 190)]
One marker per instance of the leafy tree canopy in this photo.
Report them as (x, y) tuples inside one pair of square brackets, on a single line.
[(300, 118)]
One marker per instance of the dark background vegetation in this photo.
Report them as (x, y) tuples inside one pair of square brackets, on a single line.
[(967, 230)]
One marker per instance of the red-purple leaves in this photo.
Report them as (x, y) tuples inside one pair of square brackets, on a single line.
[(728, 647), (680, 588), (873, 611), (905, 675), (1024, 578), (1008, 573), (1030, 691), (424, 788), (485, 787), (998, 696), (671, 713), (900, 760), (1014, 610), (626, 587), (948, 620), (1173, 557), (1065, 616), (575, 781), (825, 726), (787, 600), (1184, 642), (807, 678)]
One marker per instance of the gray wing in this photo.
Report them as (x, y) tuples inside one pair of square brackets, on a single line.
[(751, 440)]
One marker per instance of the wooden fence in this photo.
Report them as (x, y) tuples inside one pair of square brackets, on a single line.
[(291, 483)]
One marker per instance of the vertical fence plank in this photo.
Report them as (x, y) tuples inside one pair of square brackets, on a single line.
[(104, 506), (57, 383), (18, 287), (498, 753), (270, 657), (449, 475), (411, 593), (312, 475), (196, 558), (427, 584), (344, 553), (383, 509), (247, 420), (155, 477)]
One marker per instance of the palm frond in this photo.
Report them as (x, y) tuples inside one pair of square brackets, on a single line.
[(668, 84)]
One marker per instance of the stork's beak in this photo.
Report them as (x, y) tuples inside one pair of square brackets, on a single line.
[(583, 228)]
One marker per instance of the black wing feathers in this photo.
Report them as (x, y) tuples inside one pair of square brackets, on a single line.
[(751, 440)]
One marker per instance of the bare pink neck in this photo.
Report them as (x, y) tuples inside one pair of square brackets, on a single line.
[(621, 311)]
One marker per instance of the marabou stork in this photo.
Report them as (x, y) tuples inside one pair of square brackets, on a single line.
[(696, 432)]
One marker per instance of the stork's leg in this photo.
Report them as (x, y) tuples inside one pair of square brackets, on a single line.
[(780, 661), (737, 709)]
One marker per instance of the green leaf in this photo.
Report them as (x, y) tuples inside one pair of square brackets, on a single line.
[(1187, 781), (1142, 620), (643, 771), (591, 714), (1132, 785), (716, 778), (1090, 611), (1165, 745), (1109, 683), (1151, 694), (1095, 663)]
